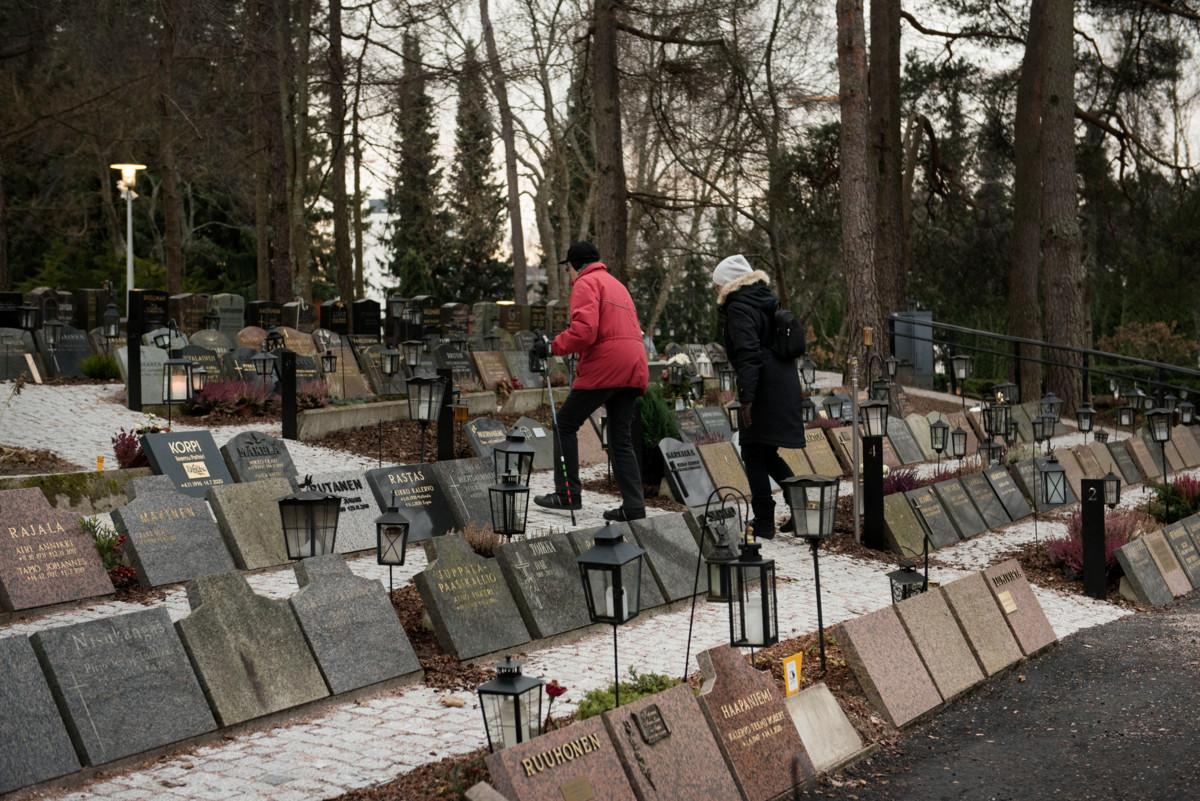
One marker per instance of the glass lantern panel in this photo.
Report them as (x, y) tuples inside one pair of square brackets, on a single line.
[(325, 520), (295, 528), (1054, 482), (391, 551)]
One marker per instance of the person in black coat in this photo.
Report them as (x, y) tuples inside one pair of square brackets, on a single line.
[(768, 386)]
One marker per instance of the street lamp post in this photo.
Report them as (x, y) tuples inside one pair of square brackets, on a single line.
[(127, 185), (813, 502)]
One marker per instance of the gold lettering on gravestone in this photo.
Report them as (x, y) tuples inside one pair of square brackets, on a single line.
[(568, 752), (467, 586), (756, 731), (1007, 603), (579, 789)]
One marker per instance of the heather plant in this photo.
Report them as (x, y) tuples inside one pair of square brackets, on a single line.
[(1174, 501), (1119, 528)]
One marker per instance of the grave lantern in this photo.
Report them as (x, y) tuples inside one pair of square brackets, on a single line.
[(1049, 424), (1085, 418), (424, 402), (177, 384), (813, 502), (199, 379), (512, 706), (1005, 393), (754, 618), (163, 339), (328, 362), (611, 572), (958, 443), (264, 363), (395, 306), (881, 390), (212, 321), (808, 371), (1039, 430), (310, 521), (1159, 421), (906, 582), (938, 432), (833, 406), (509, 500), (1052, 406), (1010, 436), (1112, 490), (677, 374), (274, 341), (847, 408), (52, 333), (514, 455), (874, 416), (1170, 402), (1000, 416), (961, 364), (725, 377), (1054, 482), (110, 323), (537, 361), (891, 364), (411, 349), (722, 554), (808, 410), (27, 318), (389, 361), (733, 410), (1187, 412), (391, 539), (991, 452)]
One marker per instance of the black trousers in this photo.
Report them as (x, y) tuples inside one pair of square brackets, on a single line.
[(763, 463), (621, 405)]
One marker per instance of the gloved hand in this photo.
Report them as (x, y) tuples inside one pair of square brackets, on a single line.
[(747, 415), (541, 348)]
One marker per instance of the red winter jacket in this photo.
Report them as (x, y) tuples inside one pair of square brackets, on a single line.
[(604, 331)]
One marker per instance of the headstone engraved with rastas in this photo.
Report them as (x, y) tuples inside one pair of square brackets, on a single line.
[(171, 537), (253, 456), (544, 578), (416, 495), (36, 744), (686, 475), (190, 458)]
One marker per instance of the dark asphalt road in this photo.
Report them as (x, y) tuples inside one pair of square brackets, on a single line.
[(1111, 713)]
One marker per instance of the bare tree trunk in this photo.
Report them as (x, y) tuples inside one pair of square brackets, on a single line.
[(856, 189), (281, 253), (541, 205), (1024, 306), (337, 172), (5, 278), (116, 227), (260, 118), (298, 165), (884, 83), (1066, 309), (912, 146), (611, 219), (360, 284), (508, 137), (172, 203)]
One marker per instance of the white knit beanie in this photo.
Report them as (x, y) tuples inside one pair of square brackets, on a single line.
[(731, 269)]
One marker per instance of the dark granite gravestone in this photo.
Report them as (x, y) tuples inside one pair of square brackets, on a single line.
[(370, 359), (16, 350), (918, 424), (253, 456), (672, 546), (96, 341), (541, 438), (464, 485), (1024, 422), (537, 318), (152, 360), (903, 530), (508, 317), (265, 314), (190, 458), (350, 626), (454, 318), (232, 311), (335, 316), (483, 433), (216, 341), (929, 509), (724, 466), (980, 491), (67, 357), (903, 441), (484, 316), (416, 495), (518, 367), (365, 318), (171, 537), (356, 521), (300, 315), (940, 643), (690, 427), (668, 749), (574, 763), (237, 365), (1027, 476), (45, 556), (248, 516), (1020, 606), (203, 357), (1149, 462), (469, 604), (1015, 504), (90, 305), (455, 357), (124, 684), (524, 341), (888, 667), (36, 744), (544, 579), (715, 422), (493, 369), (955, 501), (1185, 550), (188, 310), (983, 623), (584, 538), (1141, 574), (686, 476), (248, 651), (751, 725), (820, 454), (147, 485)]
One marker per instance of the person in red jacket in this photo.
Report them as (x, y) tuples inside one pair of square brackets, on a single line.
[(612, 371)]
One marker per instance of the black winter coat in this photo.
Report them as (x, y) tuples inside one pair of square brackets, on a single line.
[(770, 384)]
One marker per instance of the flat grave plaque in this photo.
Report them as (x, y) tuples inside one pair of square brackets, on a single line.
[(686, 476), (981, 620), (901, 526), (1185, 550), (820, 454), (1150, 466), (584, 538), (544, 578), (171, 537), (724, 467), (356, 521), (903, 441), (1142, 574), (828, 735), (1104, 458), (1088, 462), (955, 500), (1020, 606), (493, 369), (248, 517), (254, 456), (1174, 458), (842, 441), (918, 424), (671, 547), (797, 460), (940, 643), (1186, 445), (942, 532), (980, 491), (484, 433), (1168, 565), (124, 684), (691, 429), (541, 438), (36, 744), (517, 362), (464, 484), (417, 496), (887, 665), (715, 422), (575, 763), (190, 458)]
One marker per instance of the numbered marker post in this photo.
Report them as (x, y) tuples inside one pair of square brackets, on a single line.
[(1095, 568)]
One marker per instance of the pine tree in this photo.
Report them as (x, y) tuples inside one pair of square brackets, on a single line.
[(418, 221), (476, 194)]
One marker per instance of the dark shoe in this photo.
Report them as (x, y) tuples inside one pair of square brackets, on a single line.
[(622, 515), (788, 527), (556, 501), (762, 530), (764, 518)]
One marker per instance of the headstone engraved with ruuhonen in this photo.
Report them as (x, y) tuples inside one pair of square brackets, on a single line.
[(576, 763)]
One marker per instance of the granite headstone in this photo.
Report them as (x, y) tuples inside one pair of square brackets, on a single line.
[(686, 476), (940, 643), (1168, 565), (190, 458), (724, 466), (483, 433), (1141, 574), (170, 537), (980, 491), (941, 529), (1020, 606), (1185, 550), (715, 422), (584, 538), (888, 668), (672, 547), (903, 530), (980, 618), (820, 454), (903, 441), (691, 429), (356, 520), (248, 516), (416, 495), (574, 763), (36, 744), (493, 369), (541, 438), (918, 424), (464, 484), (544, 579), (956, 502), (1015, 504), (254, 456)]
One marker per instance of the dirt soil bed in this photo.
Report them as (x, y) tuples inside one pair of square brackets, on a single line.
[(442, 671), (25, 461)]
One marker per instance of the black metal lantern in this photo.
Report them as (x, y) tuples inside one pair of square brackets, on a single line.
[(52, 333), (961, 364), (264, 363), (1085, 418), (1054, 482), (199, 379), (938, 434), (1112, 490), (163, 339), (1187, 412), (509, 501), (958, 443), (391, 539), (329, 361), (813, 502), (808, 410), (881, 390), (389, 361), (1039, 429), (874, 416), (274, 341), (725, 378), (611, 571), (412, 314), (212, 321), (754, 618), (991, 452), (110, 323), (996, 418), (177, 381), (537, 362), (718, 527), (677, 374), (27, 317), (424, 398), (1170, 401), (1049, 424), (511, 705), (833, 406), (395, 306), (1006, 393), (1052, 406), (1125, 415), (891, 364), (310, 521), (808, 371), (514, 455), (1159, 421), (412, 353), (1010, 436), (733, 410), (906, 582)]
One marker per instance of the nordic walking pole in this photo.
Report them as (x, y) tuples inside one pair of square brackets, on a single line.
[(562, 459)]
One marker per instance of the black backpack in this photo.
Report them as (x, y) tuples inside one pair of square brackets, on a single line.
[(787, 340)]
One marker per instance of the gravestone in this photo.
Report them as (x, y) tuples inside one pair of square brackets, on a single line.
[(669, 750), (918, 424), (537, 318), (248, 517), (36, 744), (544, 579), (584, 538), (1192, 524), (1014, 503), (541, 438), (1028, 477), (96, 341), (751, 725), (300, 315), (1087, 460), (470, 606), (45, 555), (484, 433), (67, 357), (956, 502), (253, 456), (1020, 606), (232, 311), (350, 626), (524, 341), (152, 361), (248, 651), (416, 495), (959, 420), (265, 314), (939, 643), (715, 422), (454, 318), (1150, 466), (493, 369), (1176, 580), (203, 357), (190, 458), (941, 529), (887, 665), (90, 305), (820, 454), (1073, 470), (464, 484), (484, 316), (356, 520), (890, 460), (980, 491), (298, 341), (1104, 458), (903, 530), (335, 316), (980, 618), (124, 684), (1142, 575), (828, 735), (188, 310), (346, 380), (1181, 437), (366, 318), (724, 467), (216, 341), (517, 362), (455, 357), (252, 337), (147, 485), (797, 461), (237, 364), (16, 349), (903, 441), (1185, 550), (672, 548), (574, 763), (1024, 422), (691, 429), (688, 480), (508, 317), (171, 537)]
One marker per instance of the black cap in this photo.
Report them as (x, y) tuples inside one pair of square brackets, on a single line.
[(581, 253)]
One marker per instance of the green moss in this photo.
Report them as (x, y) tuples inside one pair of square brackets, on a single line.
[(78, 487)]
